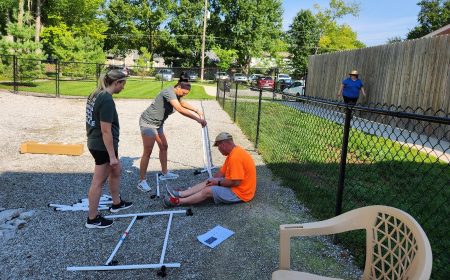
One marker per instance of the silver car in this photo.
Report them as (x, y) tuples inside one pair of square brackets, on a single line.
[(297, 88), (239, 78), (221, 76), (164, 75)]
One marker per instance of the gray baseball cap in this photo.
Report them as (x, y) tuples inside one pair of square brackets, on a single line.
[(222, 136)]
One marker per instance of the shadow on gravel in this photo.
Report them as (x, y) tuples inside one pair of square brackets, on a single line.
[(54, 240)]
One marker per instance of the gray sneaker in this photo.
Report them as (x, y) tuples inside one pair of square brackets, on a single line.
[(170, 202), (172, 192), (168, 176), (143, 186)]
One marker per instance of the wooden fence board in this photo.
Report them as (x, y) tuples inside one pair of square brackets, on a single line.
[(413, 73)]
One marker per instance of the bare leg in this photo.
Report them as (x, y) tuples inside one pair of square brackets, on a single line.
[(197, 197), (163, 146), (114, 183), (148, 143), (101, 172), (195, 189)]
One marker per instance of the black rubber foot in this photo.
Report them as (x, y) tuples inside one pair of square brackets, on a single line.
[(139, 217), (153, 196), (189, 212), (162, 272), (113, 263), (196, 172)]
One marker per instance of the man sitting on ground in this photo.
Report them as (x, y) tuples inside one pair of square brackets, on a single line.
[(234, 182)]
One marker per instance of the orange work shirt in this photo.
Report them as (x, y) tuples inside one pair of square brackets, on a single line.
[(239, 165)]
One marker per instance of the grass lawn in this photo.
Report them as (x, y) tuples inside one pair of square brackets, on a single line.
[(134, 89), (303, 151)]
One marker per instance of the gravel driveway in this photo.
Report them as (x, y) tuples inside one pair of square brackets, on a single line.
[(54, 240)]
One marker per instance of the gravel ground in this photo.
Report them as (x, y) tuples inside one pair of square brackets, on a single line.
[(54, 240)]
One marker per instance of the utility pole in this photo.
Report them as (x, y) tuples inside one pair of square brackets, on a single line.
[(203, 40)]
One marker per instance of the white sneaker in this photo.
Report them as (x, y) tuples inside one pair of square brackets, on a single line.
[(143, 186), (168, 176)]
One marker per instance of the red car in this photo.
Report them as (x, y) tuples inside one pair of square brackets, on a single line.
[(265, 82)]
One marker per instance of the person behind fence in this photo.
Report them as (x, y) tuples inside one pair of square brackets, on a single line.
[(234, 182), (351, 88), (152, 126), (102, 129)]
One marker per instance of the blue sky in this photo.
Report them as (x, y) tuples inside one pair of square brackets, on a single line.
[(378, 20)]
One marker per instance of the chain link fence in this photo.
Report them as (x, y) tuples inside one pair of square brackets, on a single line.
[(338, 157)]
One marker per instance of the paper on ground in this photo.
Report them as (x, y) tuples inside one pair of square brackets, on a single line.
[(215, 236)]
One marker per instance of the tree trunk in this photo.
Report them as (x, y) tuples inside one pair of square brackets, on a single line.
[(38, 21), (20, 14)]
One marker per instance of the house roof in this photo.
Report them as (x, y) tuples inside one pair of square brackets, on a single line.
[(441, 31)]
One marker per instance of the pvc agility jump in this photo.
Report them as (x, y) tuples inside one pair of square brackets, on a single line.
[(110, 264)]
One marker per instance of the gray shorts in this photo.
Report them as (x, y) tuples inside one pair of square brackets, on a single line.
[(149, 130), (224, 195)]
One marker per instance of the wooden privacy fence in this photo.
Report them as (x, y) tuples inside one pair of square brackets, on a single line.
[(413, 73)]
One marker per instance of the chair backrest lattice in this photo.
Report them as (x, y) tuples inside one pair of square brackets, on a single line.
[(394, 248), (397, 248)]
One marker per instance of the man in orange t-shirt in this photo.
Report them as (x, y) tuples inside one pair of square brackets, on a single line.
[(234, 182)]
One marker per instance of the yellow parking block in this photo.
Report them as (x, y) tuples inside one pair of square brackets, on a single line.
[(51, 148)]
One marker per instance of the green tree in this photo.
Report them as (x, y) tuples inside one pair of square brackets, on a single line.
[(394, 40), (226, 57), (134, 24), (185, 28), (23, 46), (303, 37), (73, 30), (433, 15), (335, 37), (246, 26), (7, 8), (339, 37), (68, 45)]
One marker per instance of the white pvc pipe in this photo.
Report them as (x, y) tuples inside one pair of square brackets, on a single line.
[(146, 214), (157, 184), (121, 240), (121, 267), (71, 208), (163, 253), (206, 150)]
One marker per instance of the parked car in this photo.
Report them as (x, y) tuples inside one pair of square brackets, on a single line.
[(239, 78), (281, 77), (284, 83), (265, 82), (253, 77), (164, 75), (192, 76), (297, 88), (221, 76)]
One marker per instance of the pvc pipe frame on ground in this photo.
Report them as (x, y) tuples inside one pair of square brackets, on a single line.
[(161, 263)]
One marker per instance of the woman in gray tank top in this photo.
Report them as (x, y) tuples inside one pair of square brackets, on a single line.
[(152, 121)]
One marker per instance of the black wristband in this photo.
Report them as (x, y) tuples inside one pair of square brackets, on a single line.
[(218, 183)]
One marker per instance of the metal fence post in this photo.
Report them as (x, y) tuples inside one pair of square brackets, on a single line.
[(342, 165), (224, 92), (16, 87), (235, 103), (217, 91), (57, 76), (259, 118), (97, 71), (275, 83)]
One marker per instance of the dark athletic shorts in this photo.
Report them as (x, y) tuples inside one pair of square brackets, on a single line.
[(101, 157), (349, 100)]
